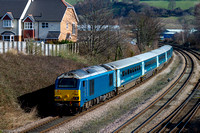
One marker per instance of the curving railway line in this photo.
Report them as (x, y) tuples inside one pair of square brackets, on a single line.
[(181, 116), (144, 119)]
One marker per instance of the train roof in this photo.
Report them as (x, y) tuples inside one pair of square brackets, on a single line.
[(139, 58), (84, 72), (94, 70)]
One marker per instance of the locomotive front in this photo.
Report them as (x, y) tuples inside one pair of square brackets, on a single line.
[(67, 92)]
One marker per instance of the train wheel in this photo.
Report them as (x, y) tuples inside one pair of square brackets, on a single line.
[(86, 105), (98, 100)]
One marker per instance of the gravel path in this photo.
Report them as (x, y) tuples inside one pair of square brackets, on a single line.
[(91, 118)]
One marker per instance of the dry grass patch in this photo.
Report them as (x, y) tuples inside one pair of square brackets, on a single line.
[(21, 74)]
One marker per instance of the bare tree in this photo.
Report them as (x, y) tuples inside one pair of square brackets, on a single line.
[(97, 32), (197, 16), (197, 23), (172, 4), (185, 21), (146, 28)]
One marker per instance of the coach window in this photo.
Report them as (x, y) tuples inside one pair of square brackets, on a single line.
[(135, 69), (110, 79), (123, 73), (91, 87), (128, 71), (83, 83)]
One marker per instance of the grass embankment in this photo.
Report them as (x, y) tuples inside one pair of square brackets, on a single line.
[(185, 4), (131, 102), (21, 74), (179, 4)]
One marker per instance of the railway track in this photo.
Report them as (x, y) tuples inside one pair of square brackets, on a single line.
[(143, 118), (181, 116), (57, 121)]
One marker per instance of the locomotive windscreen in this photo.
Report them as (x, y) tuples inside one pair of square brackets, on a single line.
[(67, 83)]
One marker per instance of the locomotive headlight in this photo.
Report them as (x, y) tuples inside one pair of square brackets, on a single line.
[(75, 98), (57, 97)]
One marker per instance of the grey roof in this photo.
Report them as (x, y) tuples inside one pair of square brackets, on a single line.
[(84, 72), (47, 10), (94, 70), (16, 7), (53, 34), (138, 58)]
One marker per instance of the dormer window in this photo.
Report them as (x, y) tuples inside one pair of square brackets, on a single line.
[(28, 25), (29, 22), (7, 23), (7, 20)]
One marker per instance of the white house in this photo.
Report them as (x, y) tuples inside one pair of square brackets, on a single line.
[(37, 19)]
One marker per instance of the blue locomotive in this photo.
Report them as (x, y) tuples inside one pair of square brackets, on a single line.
[(81, 89)]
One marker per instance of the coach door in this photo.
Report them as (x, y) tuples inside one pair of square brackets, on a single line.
[(85, 88)]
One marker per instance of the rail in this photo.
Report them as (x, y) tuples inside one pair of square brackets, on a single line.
[(153, 103)]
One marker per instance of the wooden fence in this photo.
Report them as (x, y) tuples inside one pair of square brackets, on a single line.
[(36, 48)]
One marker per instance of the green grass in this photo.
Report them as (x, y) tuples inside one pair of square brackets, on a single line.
[(72, 2), (164, 4), (159, 3)]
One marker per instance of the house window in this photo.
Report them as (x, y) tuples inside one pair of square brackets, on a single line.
[(73, 29), (67, 26), (28, 25), (45, 25), (7, 23)]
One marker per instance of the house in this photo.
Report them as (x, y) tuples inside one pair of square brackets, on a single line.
[(169, 33), (40, 20)]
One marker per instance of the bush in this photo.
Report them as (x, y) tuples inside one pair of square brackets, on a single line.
[(59, 42)]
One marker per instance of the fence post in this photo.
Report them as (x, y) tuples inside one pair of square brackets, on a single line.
[(52, 48), (48, 49), (75, 48), (12, 44), (78, 47), (25, 47), (56, 50), (4, 48), (60, 49), (21, 47), (1, 47), (8, 44), (44, 46)]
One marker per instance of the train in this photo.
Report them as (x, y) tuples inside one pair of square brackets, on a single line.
[(78, 90)]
